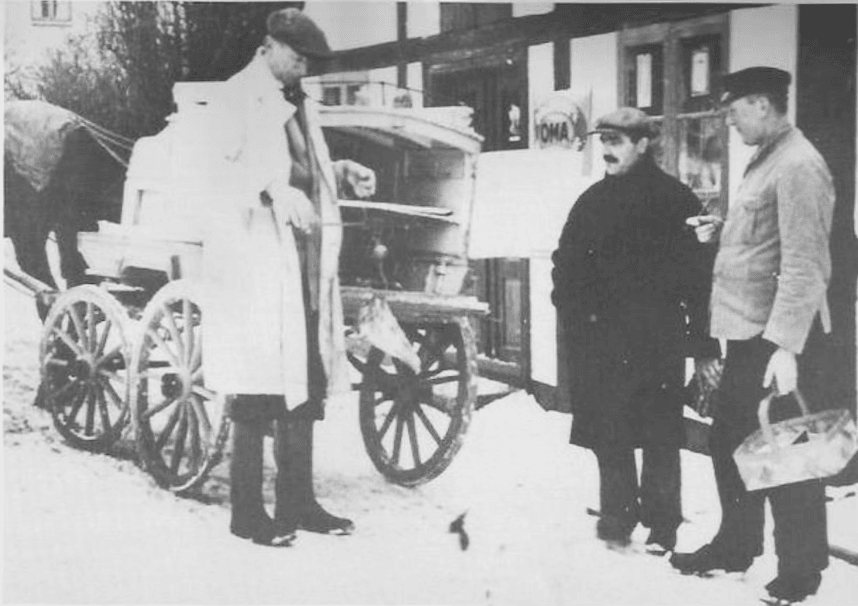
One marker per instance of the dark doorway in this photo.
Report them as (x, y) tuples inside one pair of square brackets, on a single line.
[(825, 112)]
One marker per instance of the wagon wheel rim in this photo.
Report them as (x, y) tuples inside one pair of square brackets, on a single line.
[(84, 367), (180, 431), (413, 423)]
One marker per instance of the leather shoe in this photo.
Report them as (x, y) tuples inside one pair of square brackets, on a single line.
[(268, 533), (794, 588), (708, 558), (318, 520), (611, 530), (662, 539)]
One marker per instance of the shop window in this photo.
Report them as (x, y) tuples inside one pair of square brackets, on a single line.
[(674, 73), (51, 11)]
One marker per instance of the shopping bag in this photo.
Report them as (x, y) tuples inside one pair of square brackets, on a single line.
[(811, 446)]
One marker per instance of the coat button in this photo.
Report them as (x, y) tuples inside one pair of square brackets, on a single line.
[(593, 318)]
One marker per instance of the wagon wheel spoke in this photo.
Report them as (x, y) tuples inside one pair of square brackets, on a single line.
[(434, 349), (181, 436), (442, 380), (197, 375), (196, 352), (109, 390), (153, 334), (412, 436), (90, 411), (168, 428), (202, 416), (397, 439), (76, 405), (62, 391), (76, 349), (421, 414), (102, 409), (105, 332), (175, 335), (391, 415), (203, 392), (90, 324), (195, 452), (78, 326), (158, 408)]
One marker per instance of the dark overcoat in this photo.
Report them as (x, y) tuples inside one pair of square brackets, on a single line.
[(631, 288)]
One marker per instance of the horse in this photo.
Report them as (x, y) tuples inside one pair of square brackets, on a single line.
[(62, 174)]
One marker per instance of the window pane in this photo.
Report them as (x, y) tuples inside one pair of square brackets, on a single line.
[(701, 73), (700, 157), (645, 78)]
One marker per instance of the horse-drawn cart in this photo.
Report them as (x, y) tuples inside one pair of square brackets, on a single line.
[(129, 348)]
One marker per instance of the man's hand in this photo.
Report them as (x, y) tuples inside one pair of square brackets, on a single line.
[(360, 178), (784, 370), (296, 208), (707, 228)]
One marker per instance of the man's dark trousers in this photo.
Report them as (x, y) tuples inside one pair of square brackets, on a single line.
[(800, 528)]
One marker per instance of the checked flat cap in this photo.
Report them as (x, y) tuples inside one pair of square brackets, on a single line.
[(291, 26), (628, 120)]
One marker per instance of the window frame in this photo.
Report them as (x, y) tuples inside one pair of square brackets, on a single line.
[(671, 38), (62, 12)]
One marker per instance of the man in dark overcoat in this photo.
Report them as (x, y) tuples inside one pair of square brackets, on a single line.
[(631, 290)]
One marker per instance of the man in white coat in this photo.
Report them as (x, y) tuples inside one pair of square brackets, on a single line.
[(274, 335)]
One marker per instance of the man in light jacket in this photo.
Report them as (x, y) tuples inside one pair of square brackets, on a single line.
[(273, 333), (769, 303)]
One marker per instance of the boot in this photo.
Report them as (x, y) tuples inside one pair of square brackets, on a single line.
[(249, 519), (296, 499)]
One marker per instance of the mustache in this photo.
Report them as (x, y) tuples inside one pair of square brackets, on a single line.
[(610, 159)]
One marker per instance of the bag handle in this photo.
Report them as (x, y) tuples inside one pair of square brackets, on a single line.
[(763, 414)]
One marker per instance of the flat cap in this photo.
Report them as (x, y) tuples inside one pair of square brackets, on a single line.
[(291, 26), (628, 120), (755, 80)]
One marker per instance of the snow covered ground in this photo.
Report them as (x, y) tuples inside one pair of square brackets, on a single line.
[(84, 528)]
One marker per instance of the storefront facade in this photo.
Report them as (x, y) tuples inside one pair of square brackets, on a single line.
[(505, 60)]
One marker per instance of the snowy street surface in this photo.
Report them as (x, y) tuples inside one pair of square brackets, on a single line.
[(84, 528)]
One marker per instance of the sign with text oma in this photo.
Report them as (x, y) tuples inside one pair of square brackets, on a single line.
[(560, 122)]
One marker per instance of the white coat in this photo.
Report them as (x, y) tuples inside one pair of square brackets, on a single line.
[(254, 335)]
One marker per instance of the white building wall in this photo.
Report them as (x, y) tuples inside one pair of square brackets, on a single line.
[(424, 19), (354, 24), (522, 9), (761, 36), (593, 72), (540, 81), (27, 42)]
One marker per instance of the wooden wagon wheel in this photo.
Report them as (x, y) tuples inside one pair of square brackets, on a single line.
[(83, 359), (413, 424), (180, 426)]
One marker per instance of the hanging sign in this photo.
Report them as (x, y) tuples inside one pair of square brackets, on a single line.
[(559, 122)]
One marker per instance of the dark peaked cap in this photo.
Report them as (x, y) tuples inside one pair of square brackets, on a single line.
[(291, 26), (755, 80)]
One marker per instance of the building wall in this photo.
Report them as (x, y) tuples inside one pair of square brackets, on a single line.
[(761, 36), (28, 41), (354, 24)]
